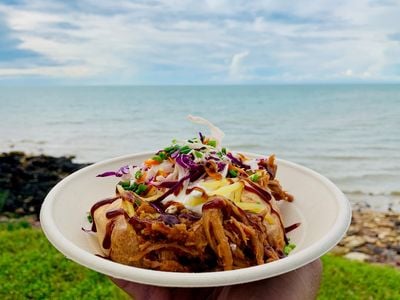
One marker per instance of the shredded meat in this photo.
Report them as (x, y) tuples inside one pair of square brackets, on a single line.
[(224, 238)]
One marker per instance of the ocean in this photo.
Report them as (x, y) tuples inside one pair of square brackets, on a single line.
[(349, 133)]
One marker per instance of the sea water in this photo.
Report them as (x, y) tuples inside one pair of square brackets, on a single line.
[(349, 133)]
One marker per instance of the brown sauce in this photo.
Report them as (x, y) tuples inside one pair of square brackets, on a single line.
[(116, 212), (96, 206), (107, 237), (257, 190), (291, 227), (215, 203)]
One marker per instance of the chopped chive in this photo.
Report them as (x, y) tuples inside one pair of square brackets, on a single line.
[(157, 158), (89, 217), (198, 154), (223, 150), (288, 248), (162, 155), (131, 187), (255, 177), (220, 154), (212, 143), (138, 174), (124, 184), (185, 149), (233, 173), (141, 188), (170, 149)]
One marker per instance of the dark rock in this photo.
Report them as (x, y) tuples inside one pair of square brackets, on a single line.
[(25, 180), (396, 248), (374, 237)]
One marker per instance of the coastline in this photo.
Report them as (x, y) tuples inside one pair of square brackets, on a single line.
[(373, 236)]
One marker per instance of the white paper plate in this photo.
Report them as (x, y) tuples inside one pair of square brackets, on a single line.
[(322, 209)]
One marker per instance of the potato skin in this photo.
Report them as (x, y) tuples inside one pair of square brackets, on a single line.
[(124, 243)]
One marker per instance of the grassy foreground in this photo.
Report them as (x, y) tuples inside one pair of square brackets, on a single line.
[(31, 268)]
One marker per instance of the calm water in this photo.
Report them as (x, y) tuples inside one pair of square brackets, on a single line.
[(349, 133)]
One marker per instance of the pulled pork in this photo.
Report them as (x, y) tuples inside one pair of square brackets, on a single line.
[(223, 238)]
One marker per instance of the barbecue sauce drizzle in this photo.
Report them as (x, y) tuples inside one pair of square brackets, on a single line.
[(96, 206), (252, 187)]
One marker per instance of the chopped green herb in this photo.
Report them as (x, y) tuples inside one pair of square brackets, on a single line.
[(288, 248), (212, 143), (255, 177), (141, 188), (162, 155), (89, 217), (124, 184), (198, 154), (131, 187), (170, 149), (233, 173), (223, 150), (185, 149), (138, 174), (138, 202), (157, 158)]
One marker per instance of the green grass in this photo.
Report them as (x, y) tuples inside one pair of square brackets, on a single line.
[(30, 268), (344, 279)]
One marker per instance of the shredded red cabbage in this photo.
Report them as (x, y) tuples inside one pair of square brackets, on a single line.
[(196, 173), (186, 161), (237, 161), (165, 184), (221, 166), (175, 154), (119, 173)]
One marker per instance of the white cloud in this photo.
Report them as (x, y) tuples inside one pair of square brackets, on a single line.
[(288, 41), (236, 69), (63, 71), (348, 72)]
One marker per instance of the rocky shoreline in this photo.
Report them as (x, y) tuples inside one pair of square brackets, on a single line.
[(372, 237), (25, 181)]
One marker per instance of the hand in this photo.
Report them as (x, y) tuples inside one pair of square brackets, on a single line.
[(302, 283)]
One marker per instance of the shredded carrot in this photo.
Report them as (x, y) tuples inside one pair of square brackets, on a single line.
[(151, 162), (142, 178)]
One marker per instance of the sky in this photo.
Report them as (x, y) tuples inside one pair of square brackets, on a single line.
[(123, 42)]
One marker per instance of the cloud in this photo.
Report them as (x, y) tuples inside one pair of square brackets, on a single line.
[(135, 42), (236, 69), (348, 72), (64, 71)]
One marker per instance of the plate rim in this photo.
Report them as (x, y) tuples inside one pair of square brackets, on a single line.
[(203, 279)]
